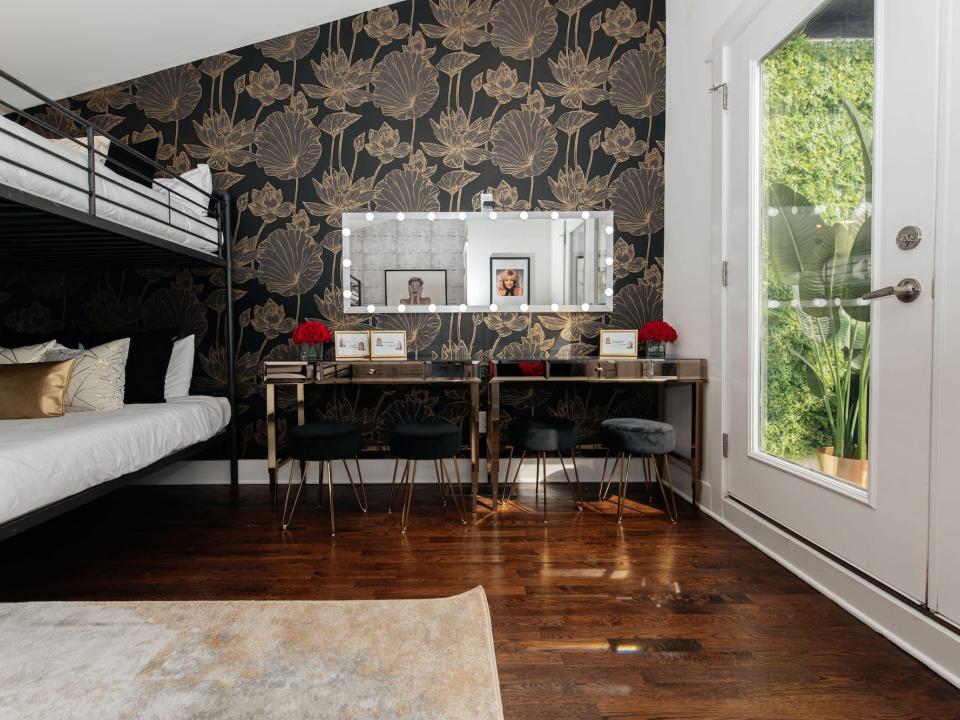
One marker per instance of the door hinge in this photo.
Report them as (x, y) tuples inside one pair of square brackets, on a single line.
[(726, 445), (724, 273), (722, 89)]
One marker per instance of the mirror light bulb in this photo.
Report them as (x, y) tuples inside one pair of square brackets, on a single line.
[(524, 214), (347, 262), (346, 232), (371, 309), (585, 307), (401, 216), (401, 308), (609, 229), (608, 292), (431, 216), (493, 215), (554, 215), (462, 215), (346, 294), (524, 307), (585, 215), (608, 261), (554, 307), (493, 307), (369, 217), (463, 308), (432, 307)]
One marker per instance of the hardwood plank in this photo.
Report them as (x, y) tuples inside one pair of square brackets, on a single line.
[(590, 621)]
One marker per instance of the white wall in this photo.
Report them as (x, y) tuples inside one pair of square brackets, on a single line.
[(691, 274)]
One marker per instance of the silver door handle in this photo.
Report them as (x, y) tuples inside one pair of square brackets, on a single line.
[(907, 290)]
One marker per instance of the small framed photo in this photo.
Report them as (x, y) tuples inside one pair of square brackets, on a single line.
[(352, 344), (618, 343), (415, 287), (388, 345), (509, 280)]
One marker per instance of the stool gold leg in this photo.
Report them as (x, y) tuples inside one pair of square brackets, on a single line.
[(363, 488), (303, 479), (506, 474), (574, 494), (411, 479), (576, 475), (333, 524), (671, 512), (458, 503), (624, 479), (390, 495), (647, 461), (463, 501), (320, 487), (443, 495), (605, 486), (544, 457), (356, 494), (509, 488)]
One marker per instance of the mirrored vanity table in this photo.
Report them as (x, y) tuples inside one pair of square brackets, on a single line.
[(618, 371), (300, 374)]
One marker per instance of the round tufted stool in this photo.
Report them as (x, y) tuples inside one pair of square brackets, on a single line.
[(412, 442), (542, 435), (324, 442), (646, 439)]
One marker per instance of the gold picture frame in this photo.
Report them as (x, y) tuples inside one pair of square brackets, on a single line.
[(351, 344), (618, 343), (388, 345)]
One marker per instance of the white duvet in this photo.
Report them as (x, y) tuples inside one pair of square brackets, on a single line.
[(45, 460), (110, 186)]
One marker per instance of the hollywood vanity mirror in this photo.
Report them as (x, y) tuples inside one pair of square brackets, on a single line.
[(478, 262)]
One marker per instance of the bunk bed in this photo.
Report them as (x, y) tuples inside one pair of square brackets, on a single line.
[(62, 207)]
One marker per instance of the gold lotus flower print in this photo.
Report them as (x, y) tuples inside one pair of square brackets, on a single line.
[(418, 106)]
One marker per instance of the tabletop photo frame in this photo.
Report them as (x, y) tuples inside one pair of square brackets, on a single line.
[(388, 345), (351, 344), (618, 343)]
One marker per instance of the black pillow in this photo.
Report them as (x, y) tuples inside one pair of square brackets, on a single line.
[(147, 362), (128, 165)]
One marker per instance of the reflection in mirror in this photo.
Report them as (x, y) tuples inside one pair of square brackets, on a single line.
[(478, 262)]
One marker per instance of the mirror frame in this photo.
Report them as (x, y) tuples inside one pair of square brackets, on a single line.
[(489, 216)]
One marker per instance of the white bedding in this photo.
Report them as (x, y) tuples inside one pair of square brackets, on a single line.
[(110, 186), (45, 460)]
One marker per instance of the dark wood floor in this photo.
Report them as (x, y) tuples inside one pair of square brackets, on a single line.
[(651, 621)]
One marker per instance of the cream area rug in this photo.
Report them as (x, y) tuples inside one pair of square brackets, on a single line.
[(253, 659)]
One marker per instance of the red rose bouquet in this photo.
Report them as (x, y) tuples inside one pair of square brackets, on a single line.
[(533, 369), (657, 331), (311, 332)]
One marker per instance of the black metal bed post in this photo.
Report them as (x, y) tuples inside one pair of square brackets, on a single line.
[(227, 239)]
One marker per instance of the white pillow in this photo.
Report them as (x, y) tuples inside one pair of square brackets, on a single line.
[(180, 369), (99, 376), (200, 177), (25, 354), (100, 143)]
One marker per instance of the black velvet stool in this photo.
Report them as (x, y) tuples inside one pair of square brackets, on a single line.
[(635, 437), (412, 442), (540, 436), (324, 442)]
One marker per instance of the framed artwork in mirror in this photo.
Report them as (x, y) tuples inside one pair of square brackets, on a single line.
[(351, 344), (509, 280), (618, 343), (415, 287), (388, 345)]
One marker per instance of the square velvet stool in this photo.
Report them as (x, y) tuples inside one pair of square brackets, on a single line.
[(412, 442), (540, 436), (324, 442), (636, 437)]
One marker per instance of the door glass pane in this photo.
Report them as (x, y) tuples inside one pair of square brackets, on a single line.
[(817, 181)]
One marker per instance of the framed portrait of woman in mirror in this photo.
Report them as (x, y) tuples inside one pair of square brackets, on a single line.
[(509, 280)]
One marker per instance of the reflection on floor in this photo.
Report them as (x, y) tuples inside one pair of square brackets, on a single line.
[(590, 621)]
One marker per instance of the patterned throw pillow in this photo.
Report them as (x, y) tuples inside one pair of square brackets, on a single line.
[(98, 377), (25, 354)]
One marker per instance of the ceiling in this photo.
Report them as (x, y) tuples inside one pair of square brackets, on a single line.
[(65, 47)]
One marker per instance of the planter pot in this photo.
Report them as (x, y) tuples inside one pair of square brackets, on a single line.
[(849, 469), (656, 350)]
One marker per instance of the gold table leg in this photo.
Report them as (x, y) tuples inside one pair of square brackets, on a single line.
[(272, 444)]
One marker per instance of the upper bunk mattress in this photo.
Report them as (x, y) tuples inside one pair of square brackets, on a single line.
[(45, 460), (110, 187)]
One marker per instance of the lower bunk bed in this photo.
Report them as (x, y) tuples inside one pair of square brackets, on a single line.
[(51, 465)]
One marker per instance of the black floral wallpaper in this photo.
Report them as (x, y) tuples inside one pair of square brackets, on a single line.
[(417, 106)]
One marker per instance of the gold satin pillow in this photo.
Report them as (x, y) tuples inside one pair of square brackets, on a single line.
[(34, 390)]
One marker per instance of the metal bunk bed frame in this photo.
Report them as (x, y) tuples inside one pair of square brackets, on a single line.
[(37, 229)]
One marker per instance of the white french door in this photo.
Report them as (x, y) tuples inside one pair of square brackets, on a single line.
[(830, 179)]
